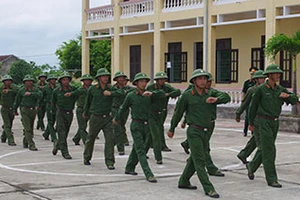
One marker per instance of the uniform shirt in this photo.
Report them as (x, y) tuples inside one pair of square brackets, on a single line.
[(247, 84), (159, 106), (7, 99), (198, 112), (47, 92), (140, 105), (246, 101), (266, 101), (42, 86), (118, 100), (59, 101), (82, 92), (31, 100), (97, 103)]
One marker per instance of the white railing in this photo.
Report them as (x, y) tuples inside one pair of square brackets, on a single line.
[(219, 2), (236, 96), (181, 4), (103, 13), (137, 7)]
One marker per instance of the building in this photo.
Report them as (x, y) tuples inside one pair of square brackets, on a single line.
[(225, 37), (6, 62)]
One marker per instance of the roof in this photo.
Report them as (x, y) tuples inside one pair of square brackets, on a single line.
[(6, 57)]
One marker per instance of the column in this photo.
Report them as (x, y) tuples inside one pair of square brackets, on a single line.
[(270, 23), (116, 62), (85, 49)]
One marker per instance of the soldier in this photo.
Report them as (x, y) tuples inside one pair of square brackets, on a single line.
[(259, 79), (212, 169), (8, 93), (158, 115), (127, 88), (42, 107), (247, 84), (48, 91), (63, 102), (98, 105), (139, 100), (82, 122), (27, 99), (120, 130), (198, 104), (264, 111)]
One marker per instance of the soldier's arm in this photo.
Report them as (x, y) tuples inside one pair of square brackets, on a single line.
[(87, 102), (292, 99), (158, 94), (245, 103), (173, 92), (123, 108), (54, 100), (179, 111), (222, 97), (115, 92), (37, 93), (17, 101), (256, 98)]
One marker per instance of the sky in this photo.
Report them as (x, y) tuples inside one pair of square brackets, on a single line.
[(33, 29)]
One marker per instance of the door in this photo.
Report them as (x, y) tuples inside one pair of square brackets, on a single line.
[(135, 60)]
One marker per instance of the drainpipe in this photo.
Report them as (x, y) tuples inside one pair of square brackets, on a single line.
[(205, 36)]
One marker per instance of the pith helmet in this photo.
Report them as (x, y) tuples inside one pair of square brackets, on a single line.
[(210, 78), (197, 73), (273, 68), (51, 76), (119, 74), (160, 75), (6, 77), (86, 77), (102, 72), (140, 76), (42, 75), (259, 74), (64, 75), (28, 77)]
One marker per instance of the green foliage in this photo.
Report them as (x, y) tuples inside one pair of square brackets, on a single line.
[(19, 69), (100, 55)]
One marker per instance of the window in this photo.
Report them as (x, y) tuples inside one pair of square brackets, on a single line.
[(135, 60), (198, 55), (258, 55), (286, 64)]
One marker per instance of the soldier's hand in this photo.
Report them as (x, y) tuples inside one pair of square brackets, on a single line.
[(183, 125), (147, 94), (237, 119), (27, 93), (115, 122), (211, 100), (38, 108), (84, 116), (284, 95), (5, 91), (251, 127), (167, 94), (68, 94), (16, 113), (170, 134), (107, 93)]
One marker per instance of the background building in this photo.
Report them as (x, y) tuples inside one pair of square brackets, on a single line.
[(6, 62)]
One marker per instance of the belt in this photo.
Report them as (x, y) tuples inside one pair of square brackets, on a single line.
[(201, 128), (140, 121), (101, 116), (7, 107), (267, 117), (65, 111), (28, 108), (158, 112)]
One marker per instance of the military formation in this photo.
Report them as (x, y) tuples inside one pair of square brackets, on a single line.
[(105, 107)]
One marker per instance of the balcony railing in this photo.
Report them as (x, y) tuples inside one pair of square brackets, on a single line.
[(102, 13), (137, 8), (219, 2), (181, 4)]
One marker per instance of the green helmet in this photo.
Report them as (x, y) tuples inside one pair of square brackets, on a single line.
[(160, 75), (42, 75), (6, 77), (102, 72), (197, 73), (28, 77), (86, 77), (119, 74), (51, 76), (140, 76), (272, 68), (64, 75), (259, 74), (210, 78)]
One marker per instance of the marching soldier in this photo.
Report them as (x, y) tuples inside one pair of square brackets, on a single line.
[(98, 105), (139, 100), (82, 122), (8, 93), (42, 107), (158, 115), (28, 99), (127, 88), (63, 102), (198, 103), (259, 79), (48, 90), (264, 111)]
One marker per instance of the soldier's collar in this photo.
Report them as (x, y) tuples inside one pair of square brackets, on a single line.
[(7, 86), (269, 86), (29, 89), (194, 91)]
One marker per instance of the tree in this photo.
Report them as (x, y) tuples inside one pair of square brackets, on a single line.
[(69, 55), (19, 69), (281, 42)]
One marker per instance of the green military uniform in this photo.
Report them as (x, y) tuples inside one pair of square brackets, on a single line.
[(264, 111), (6, 100), (251, 144), (27, 104), (51, 118), (98, 106), (42, 107), (158, 115), (120, 130), (247, 84), (63, 105), (140, 114), (82, 122), (200, 118)]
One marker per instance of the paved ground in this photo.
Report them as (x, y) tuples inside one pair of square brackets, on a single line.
[(40, 175)]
